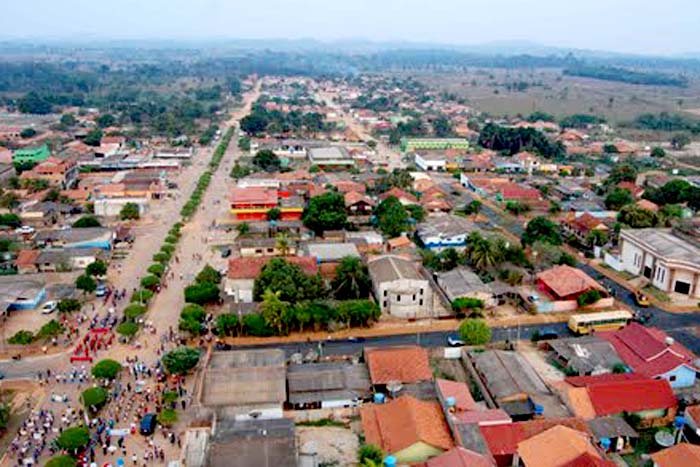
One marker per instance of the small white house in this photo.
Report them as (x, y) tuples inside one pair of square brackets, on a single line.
[(111, 207), (431, 162)]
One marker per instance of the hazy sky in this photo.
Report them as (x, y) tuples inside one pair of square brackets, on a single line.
[(643, 26)]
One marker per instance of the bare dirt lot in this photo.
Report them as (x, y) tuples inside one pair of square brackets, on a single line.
[(335, 445)]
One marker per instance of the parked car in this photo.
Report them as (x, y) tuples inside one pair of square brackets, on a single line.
[(640, 299), (545, 334), (356, 339), (25, 229), (148, 424), (101, 290), (455, 341), (226, 252), (49, 307)]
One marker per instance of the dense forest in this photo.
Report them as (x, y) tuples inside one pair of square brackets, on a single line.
[(623, 75)]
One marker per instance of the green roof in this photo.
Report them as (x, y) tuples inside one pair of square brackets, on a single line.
[(38, 154)]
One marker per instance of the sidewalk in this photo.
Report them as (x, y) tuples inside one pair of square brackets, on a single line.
[(395, 328)]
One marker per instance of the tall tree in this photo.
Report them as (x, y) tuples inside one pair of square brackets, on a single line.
[(351, 279), (325, 212), (391, 217)]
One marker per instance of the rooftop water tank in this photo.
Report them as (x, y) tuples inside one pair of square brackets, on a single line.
[(379, 398)]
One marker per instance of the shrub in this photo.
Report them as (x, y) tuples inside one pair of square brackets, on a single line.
[(61, 461), (588, 297), (169, 397), (202, 294), (22, 337), (181, 360), (85, 283), (86, 221), (171, 239), (150, 282), (208, 275), (168, 248), (167, 417), (127, 329), (370, 452), (156, 269), (191, 319), (106, 369), (68, 305), (475, 332), (227, 324), (73, 439), (254, 325), (142, 296), (161, 257), (96, 268), (134, 310), (94, 398), (51, 329)]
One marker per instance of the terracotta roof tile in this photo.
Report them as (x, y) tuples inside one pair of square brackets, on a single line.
[(26, 258), (639, 395), (566, 280), (403, 422), (555, 447), (459, 391), (504, 439), (403, 364), (680, 455), (460, 457)]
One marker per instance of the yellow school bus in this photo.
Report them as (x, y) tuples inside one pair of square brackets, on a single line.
[(603, 321)]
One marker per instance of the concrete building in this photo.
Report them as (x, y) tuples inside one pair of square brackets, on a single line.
[(399, 287), (463, 283), (431, 162), (111, 207), (246, 385), (17, 293), (667, 260), (332, 157), (445, 231)]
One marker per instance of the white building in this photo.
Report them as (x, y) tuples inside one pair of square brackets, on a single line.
[(111, 207), (669, 262), (399, 287), (431, 162)]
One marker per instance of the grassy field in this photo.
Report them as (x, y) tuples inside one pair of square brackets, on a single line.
[(549, 91)]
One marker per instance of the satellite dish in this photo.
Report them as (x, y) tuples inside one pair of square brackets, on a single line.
[(664, 439), (394, 387)]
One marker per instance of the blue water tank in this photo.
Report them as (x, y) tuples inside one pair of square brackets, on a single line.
[(379, 398), (390, 461), (539, 410), (679, 421), (450, 402), (605, 443)]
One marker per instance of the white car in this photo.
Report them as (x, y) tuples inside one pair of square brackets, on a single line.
[(25, 229), (49, 307)]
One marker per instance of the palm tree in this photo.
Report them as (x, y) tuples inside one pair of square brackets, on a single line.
[(483, 253), (275, 311), (282, 244), (352, 279)]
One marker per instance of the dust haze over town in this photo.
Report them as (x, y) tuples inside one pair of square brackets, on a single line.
[(349, 234)]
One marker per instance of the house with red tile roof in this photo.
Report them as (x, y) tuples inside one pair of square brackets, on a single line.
[(26, 261), (242, 273), (460, 457), (405, 364), (562, 285), (358, 204), (652, 400), (403, 197), (680, 455), (636, 190), (557, 447), (409, 429), (585, 224), (503, 439), (652, 353), (61, 173)]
